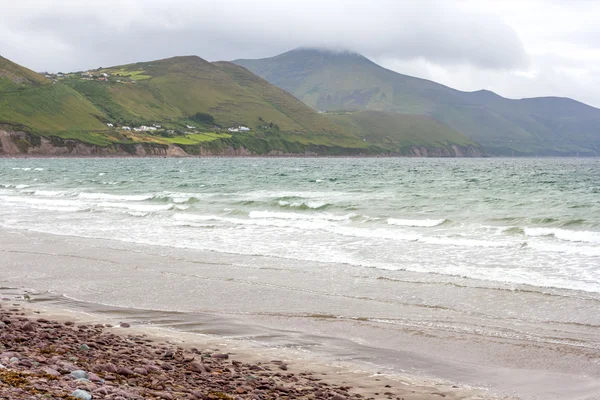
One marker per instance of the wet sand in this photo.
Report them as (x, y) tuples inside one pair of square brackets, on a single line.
[(44, 352), (519, 343)]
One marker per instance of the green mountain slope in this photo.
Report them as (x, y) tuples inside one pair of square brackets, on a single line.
[(400, 131), (331, 81), (183, 101), (30, 100)]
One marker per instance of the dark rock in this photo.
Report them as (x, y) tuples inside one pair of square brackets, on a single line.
[(124, 371), (198, 367), (140, 371), (27, 327)]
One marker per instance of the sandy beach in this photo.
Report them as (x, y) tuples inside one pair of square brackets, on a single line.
[(47, 353), (47, 270), (407, 270)]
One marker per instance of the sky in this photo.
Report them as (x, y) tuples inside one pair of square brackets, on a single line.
[(516, 48)]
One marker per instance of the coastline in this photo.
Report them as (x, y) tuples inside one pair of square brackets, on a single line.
[(193, 304), (220, 368)]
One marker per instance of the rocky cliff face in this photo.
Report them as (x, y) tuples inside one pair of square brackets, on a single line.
[(17, 143)]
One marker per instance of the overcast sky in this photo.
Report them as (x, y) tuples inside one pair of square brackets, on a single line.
[(517, 48)]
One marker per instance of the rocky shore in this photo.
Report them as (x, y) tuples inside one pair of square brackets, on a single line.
[(49, 359)]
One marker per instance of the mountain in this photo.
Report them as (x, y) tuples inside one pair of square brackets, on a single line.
[(336, 81), (408, 134), (183, 102), (30, 100)]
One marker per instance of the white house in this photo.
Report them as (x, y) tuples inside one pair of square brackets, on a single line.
[(239, 129), (125, 128), (156, 126), (190, 127), (144, 128), (109, 125)]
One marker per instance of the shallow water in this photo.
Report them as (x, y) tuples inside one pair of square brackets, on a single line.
[(534, 222), (468, 270)]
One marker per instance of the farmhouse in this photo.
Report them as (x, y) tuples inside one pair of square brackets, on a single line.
[(239, 129)]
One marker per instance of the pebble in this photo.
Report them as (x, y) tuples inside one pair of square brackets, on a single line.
[(133, 367), (124, 325), (81, 394), (79, 374)]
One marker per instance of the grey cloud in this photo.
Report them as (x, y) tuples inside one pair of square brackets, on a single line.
[(114, 32)]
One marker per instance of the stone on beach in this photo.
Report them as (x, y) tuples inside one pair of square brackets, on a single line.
[(79, 374), (63, 360), (81, 394)]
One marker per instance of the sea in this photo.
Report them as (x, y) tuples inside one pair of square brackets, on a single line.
[(468, 270)]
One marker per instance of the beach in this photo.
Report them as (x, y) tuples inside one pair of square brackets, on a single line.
[(70, 273), (48, 353), (480, 274)]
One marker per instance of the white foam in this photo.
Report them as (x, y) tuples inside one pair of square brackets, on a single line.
[(296, 204), (565, 234), (44, 203), (137, 207), (425, 223), (116, 197), (52, 193), (299, 216), (554, 247)]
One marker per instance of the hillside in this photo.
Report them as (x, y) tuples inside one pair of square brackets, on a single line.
[(186, 102), (30, 100), (333, 81), (403, 132)]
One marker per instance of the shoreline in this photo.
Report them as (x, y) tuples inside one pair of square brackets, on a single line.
[(262, 317), (219, 370)]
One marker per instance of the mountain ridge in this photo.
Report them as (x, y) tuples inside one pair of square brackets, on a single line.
[(180, 102), (329, 81)]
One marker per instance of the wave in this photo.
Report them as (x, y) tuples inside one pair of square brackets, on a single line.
[(304, 205), (514, 230), (574, 222), (117, 197), (416, 223), (297, 216), (142, 207), (564, 234)]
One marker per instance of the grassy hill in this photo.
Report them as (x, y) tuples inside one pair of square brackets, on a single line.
[(392, 130), (188, 102), (30, 100), (332, 81)]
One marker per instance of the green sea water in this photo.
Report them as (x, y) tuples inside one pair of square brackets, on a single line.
[(529, 222)]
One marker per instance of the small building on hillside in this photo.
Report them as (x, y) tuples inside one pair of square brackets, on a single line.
[(126, 128), (109, 125), (239, 129)]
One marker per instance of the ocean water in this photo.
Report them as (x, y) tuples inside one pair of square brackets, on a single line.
[(483, 272), (533, 222)]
